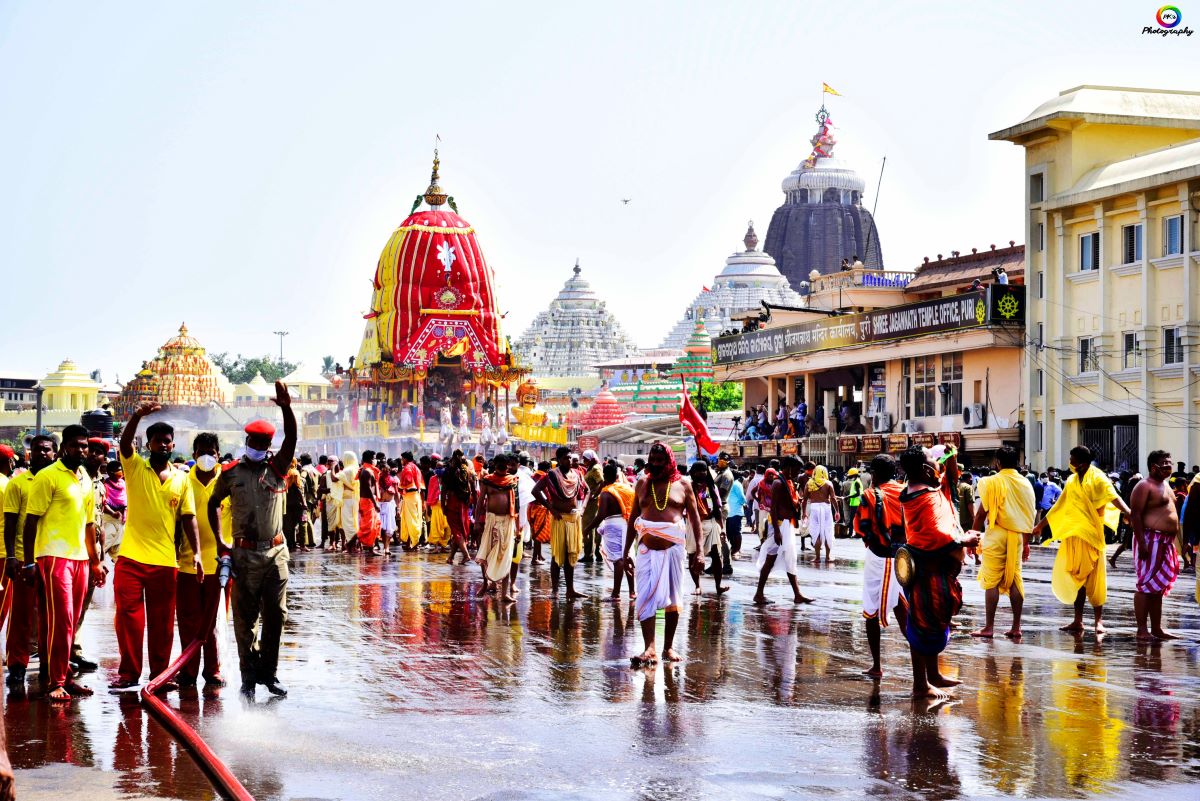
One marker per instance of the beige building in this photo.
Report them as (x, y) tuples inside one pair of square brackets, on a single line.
[(880, 360), (1111, 183)]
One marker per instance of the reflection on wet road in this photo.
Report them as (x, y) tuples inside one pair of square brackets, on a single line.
[(403, 682)]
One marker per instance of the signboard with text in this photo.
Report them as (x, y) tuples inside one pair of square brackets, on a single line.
[(896, 443), (996, 305), (847, 444), (872, 443)]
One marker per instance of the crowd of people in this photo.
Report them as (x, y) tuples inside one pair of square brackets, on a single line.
[(792, 421), (167, 531)]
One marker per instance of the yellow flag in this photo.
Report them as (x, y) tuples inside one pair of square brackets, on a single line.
[(829, 90)]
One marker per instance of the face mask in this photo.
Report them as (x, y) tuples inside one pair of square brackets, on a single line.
[(255, 455), (206, 462)]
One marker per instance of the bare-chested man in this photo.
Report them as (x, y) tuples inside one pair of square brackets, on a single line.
[(1155, 526), (496, 519), (563, 491), (820, 504), (612, 514), (661, 501), (780, 546)]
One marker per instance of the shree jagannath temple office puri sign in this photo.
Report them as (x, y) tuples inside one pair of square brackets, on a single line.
[(995, 305)]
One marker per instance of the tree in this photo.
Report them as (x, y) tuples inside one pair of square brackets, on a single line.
[(327, 365), (242, 369), (723, 397)]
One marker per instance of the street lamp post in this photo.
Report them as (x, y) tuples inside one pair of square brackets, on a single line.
[(281, 335)]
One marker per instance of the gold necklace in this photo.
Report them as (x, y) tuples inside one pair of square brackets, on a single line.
[(666, 496)]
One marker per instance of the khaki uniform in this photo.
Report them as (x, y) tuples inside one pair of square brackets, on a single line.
[(257, 495)]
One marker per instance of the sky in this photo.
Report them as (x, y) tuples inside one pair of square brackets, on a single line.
[(239, 167)]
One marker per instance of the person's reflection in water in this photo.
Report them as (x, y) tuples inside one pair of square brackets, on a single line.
[(704, 670), (928, 771), (614, 650), (41, 734), (565, 650), (776, 653), (1155, 749), (661, 734), (1004, 736), (1078, 725)]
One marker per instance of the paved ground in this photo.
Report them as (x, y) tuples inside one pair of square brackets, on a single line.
[(402, 685)]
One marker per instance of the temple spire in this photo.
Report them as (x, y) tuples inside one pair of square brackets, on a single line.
[(434, 195)]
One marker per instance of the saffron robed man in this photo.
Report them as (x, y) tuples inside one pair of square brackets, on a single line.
[(256, 487)]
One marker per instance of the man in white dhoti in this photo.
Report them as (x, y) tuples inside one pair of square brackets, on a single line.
[(880, 523), (820, 510), (779, 549), (348, 480), (612, 511), (662, 499)]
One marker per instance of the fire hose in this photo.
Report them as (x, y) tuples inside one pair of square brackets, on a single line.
[(222, 778)]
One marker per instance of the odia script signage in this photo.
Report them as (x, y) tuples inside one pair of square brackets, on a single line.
[(994, 306)]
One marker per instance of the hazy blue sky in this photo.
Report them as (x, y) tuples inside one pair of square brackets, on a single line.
[(240, 166)]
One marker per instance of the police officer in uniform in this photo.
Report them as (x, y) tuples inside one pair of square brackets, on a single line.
[(256, 487)]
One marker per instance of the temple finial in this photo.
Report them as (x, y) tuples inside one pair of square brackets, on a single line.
[(751, 240), (434, 195)]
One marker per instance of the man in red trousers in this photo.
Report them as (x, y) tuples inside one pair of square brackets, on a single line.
[(158, 497)]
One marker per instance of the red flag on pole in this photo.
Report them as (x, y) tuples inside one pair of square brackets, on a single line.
[(694, 423)]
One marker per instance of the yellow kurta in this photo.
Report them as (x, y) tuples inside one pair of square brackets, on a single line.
[(1011, 507), (1078, 519)]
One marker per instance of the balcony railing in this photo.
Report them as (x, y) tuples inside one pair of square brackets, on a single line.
[(862, 278), (369, 428)]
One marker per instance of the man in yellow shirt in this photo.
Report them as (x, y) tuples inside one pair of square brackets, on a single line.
[(158, 498), (23, 614), (7, 460), (196, 603), (1007, 509), (60, 532)]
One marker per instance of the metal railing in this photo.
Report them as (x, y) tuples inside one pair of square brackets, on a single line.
[(862, 278), (345, 430)]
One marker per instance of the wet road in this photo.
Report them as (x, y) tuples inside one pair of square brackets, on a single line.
[(403, 684)]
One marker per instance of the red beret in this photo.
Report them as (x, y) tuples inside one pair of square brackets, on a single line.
[(260, 427), (6, 451), (98, 441)]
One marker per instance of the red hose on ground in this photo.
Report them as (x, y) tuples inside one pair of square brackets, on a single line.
[(222, 778)]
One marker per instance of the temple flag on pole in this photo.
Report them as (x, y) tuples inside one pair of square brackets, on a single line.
[(829, 90), (694, 423)]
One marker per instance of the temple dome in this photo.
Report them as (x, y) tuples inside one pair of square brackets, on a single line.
[(749, 278), (822, 219), (575, 333)]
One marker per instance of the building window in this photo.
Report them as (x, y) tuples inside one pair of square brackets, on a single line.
[(1041, 285), (1039, 437), (952, 377), (1041, 383), (1131, 354), (1039, 237), (1089, 361), (1172, 346), (1173, 235), (924, 386), (1037, 187), (1131, 243), (1041, 339), (906, 388), (1089, 251)]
